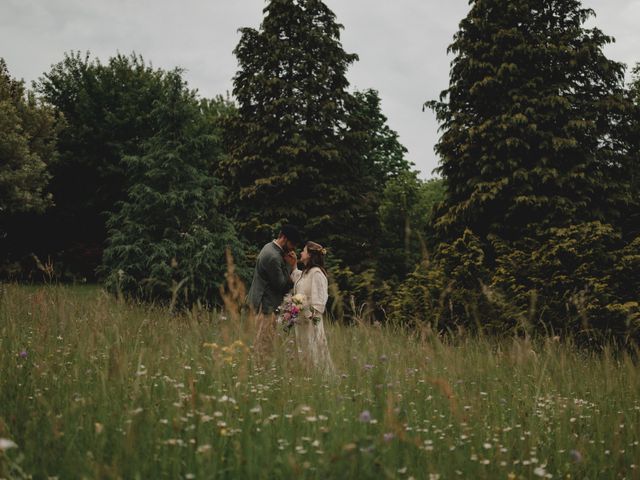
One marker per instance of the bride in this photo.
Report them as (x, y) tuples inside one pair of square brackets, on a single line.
[(311, 281)]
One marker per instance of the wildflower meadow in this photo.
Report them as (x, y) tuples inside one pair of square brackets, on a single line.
[(93, 387)]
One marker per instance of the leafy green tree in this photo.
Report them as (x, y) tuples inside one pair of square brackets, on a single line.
[(373, 150), (631, 218), (107, 107), (405, 216), (371, 141), (28, 134), (167, 240), (529, 121)]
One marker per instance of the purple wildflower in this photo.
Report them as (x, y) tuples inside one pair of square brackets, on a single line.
[(365, 416), (576, 456)]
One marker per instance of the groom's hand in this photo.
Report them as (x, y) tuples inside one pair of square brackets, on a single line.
[(291, 258)]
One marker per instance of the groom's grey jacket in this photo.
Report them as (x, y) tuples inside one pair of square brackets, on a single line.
[(271, 280)]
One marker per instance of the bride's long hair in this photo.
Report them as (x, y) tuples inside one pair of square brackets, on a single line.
[(316, 257)]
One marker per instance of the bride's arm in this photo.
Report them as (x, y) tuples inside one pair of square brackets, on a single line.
[(319, 291), (295, 275)]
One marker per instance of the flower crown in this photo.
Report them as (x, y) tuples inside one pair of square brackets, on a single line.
[(322, 250)]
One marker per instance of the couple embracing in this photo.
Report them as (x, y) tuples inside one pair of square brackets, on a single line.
[(277, 275)]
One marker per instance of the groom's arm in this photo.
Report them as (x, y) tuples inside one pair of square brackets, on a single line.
[(278, 274)]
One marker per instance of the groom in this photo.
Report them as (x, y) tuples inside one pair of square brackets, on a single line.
[(271, 277)]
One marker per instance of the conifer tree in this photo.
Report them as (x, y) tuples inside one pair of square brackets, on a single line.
[(529, 121), (288, 157), (533, 155), (167, 240)]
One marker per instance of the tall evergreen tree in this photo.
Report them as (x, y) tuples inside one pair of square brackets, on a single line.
[(533, 155), (167, 240), (287, 152), (529, 121)]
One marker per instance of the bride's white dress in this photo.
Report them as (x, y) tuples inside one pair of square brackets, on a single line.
[(311, 340)]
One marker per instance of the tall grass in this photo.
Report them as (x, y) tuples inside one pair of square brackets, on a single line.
[(91, 387)]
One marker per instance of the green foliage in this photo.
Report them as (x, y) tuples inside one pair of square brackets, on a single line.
[(536, 163), (357, 296), (28, 134), (447, 291), (530, 137), (302, 149), (630, 221), (167, 241), (371, 142), (580, 277), (108, 110), (405, 215), (375, 158), (434, 192), (284, 144), (417, 300), (573, 275), (581, 280)]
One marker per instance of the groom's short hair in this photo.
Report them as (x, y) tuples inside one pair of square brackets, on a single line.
[(292, 233)]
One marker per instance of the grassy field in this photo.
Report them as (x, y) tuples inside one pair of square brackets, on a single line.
[(94, 388)]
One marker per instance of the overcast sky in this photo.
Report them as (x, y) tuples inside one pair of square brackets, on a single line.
[(402, 44)]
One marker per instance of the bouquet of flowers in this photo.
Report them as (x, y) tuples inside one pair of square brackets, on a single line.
[(293, 309)]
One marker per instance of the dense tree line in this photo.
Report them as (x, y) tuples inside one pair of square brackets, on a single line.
[(131, 187), (121, 173)]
